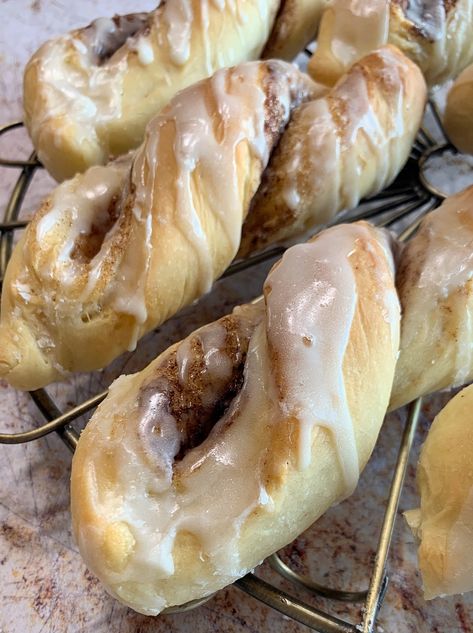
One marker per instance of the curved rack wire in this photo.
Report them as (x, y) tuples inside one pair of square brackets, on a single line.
[(411, 195)]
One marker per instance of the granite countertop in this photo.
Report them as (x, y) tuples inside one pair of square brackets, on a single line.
[(45, 585)]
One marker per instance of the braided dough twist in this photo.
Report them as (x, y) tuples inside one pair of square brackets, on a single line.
[(235, 440), (116, 251), (436, 34)]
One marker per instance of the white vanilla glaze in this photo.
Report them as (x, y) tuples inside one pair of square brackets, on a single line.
[(436, 35), (311, 297), (337, 162), (205, 141), (199, 151), (306, 319), (358, 27), (447, 266)]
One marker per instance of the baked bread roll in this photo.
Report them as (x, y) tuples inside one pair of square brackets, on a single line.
[(88, 95), (458, 115), (436, 34), (445, 481), (435, 287), (235, 440), (296, 24), (338, 149), (119, 249), (113, 253)]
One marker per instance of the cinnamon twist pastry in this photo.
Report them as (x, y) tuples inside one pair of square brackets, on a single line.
[(114, 252), (235, 440), (119, 249), (458, 115), (435, 286), (339, 148), (445, 481), (436, 34), (89, 94)]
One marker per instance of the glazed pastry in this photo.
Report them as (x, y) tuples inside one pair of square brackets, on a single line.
[(436, 34), (88, 95), (338, 149), (435, 287), (445, 481), (235, 440), (296, 25), (119, 249), (458, 116), (113, 253)]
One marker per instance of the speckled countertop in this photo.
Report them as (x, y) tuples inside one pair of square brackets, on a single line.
[(44, 585)]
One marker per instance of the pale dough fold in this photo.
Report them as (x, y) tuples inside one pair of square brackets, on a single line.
[(444, 521)]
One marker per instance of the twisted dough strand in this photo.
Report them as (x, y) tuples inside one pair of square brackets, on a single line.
[(117, 250), (338, 149), (235, 440), (435, 285)]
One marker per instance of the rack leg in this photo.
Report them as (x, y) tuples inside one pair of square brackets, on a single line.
[(378, 580), (293, 608)]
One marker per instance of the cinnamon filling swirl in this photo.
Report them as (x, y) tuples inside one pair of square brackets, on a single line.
[(106, 35), (193, 388)]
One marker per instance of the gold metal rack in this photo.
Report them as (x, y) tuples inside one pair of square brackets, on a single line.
[(410, 197)]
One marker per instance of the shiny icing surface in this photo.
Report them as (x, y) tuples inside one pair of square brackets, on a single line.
[(295, 340), (179, 16), (57, 593), (429, 16), (358, 27), (436, 34), (311, 299)]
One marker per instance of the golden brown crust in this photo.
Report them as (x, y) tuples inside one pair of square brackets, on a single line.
[(436, 293), (436, 34)]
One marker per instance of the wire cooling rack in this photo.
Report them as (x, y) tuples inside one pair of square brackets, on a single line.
[(407, 199)]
